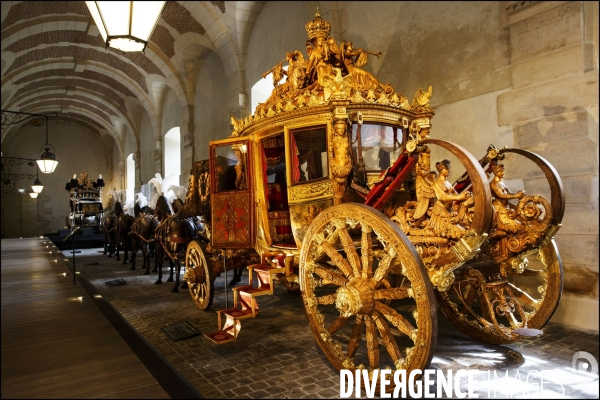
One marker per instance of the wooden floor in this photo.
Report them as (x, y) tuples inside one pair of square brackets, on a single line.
[(55, 345)]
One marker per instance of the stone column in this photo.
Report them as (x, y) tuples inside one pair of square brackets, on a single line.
[(553, 109), (158, 157)]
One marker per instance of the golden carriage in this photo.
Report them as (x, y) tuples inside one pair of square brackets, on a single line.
[(328, 188)]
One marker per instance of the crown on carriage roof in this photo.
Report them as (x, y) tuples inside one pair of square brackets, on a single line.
[(318, 27)]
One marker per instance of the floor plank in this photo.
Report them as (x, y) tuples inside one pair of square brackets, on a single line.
[(54, 346)]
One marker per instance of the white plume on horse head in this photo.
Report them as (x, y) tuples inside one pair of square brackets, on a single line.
[(170, 182), (179, 191), (141, 200), (157, 183), (128, 207), (118, 195)]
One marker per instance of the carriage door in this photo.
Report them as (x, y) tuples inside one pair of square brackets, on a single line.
[(231, 195)]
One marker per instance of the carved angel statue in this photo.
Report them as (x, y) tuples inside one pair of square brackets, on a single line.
[(362, 78), (442, 223)]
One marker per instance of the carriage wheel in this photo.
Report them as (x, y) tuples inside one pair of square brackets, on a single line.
[(526, 299), (366, 293), (199, 276)]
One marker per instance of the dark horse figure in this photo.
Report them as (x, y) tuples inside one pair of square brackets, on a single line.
[(110, 229), (142, 234), (170, 241), (124, 224)]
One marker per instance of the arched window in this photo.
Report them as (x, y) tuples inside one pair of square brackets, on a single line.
[(262, 90), (130, 179), (173, 153)]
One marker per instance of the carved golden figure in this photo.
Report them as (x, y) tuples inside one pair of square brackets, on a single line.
[(506, 216), (353, 59), (440, 223), (341, 163)]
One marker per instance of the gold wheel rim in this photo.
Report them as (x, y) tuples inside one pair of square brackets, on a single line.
[(196, 265), (382, 294)]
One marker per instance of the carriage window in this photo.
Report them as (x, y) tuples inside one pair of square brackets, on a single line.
[(380, 145), (230, 163), (309, 154)]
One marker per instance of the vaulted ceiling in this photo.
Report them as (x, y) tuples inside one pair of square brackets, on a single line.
[(54, 59)]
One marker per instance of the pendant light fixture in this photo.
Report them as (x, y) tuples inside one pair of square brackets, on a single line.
[(126, 25), (37, 185), (47, 161), (33, 195)]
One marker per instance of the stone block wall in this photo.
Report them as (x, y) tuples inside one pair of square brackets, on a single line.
[(552, 108)]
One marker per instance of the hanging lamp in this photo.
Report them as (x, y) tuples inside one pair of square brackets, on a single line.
[(47, 161), (126, 25), (37, 185)]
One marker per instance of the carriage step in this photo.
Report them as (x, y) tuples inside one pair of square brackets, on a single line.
[(528, 333), (244, 301), (255, 292), (220, 337), (236, 313)]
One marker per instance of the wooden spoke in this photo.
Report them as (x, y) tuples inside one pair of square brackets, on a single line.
[(391, 294), (350, 250), (327, 299), (337, 258), (470, 296), (356, 336), (331, 276), (337, 324), (384, 265), (396, 319), (372, 344), (522, 295), (527, 272), (366, 250), (387, 337)]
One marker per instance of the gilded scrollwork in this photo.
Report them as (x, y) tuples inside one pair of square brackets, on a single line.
[(313, 191)]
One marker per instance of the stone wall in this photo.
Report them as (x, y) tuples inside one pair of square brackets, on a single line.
[(77, 151), (552, 108)]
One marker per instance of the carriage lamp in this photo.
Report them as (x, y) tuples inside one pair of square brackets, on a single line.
[(47, 161), (126, 25)]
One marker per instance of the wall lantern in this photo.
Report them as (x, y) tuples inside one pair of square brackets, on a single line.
[(126, 25), (47, 161)]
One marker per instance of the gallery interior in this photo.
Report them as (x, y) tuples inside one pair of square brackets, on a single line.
[(395, 186)]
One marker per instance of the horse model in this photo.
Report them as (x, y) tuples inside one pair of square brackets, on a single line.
[(110, 228), (170, 240), (123, 228), (142, 233)]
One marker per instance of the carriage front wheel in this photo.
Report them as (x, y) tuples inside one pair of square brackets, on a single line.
[(199, 276), (361, 277)]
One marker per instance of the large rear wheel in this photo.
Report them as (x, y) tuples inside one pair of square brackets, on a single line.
[(366, 293), (504, 309)]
